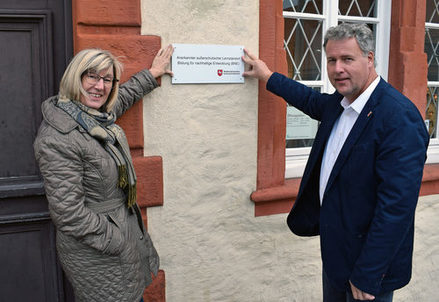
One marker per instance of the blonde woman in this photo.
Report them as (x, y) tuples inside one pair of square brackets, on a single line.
[(89, 178)]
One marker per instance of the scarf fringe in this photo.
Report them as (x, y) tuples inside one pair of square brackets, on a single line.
[(123, 183), (123, 176), (132, 195)]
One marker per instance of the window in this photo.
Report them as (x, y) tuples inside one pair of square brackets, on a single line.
[(432, 51), (431, 48), (306, 22)]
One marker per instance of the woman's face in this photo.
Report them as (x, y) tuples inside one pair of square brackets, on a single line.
[(98, 86)]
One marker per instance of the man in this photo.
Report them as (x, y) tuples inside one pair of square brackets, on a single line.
[(361, 183)]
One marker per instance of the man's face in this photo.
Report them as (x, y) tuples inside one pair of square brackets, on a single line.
[(349, 71)]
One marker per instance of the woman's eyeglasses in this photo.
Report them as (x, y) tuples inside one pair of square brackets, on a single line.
[(93, 78)]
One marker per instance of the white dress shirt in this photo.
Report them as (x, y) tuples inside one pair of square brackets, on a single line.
[(340, 132)]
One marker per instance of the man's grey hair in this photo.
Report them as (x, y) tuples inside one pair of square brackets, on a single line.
[(361, 32)]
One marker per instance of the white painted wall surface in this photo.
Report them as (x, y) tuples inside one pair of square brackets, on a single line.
[(212, 247)]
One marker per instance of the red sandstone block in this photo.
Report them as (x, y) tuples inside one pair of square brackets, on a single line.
[(132, 123), (156, 291), (136, 52), (104, 12), (149, 171)]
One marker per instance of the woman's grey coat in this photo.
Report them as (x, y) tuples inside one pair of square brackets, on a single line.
[(103, 246)]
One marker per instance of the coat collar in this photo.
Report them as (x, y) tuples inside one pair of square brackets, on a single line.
[(56, 117)]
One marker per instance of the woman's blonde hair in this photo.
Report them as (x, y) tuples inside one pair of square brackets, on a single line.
[(95, 60)]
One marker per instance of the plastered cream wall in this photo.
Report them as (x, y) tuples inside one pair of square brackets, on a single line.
[(212, 247)]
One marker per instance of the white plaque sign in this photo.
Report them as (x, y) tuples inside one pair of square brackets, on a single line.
[(197, 64)]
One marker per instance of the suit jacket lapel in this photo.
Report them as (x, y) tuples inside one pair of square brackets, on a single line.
[(321, 139), (365, 116)]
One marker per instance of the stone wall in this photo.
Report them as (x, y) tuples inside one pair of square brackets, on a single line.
[(212, 246)]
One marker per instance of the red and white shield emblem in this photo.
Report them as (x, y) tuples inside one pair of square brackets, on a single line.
[(220, 72)]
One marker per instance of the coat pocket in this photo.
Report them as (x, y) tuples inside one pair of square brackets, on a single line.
[(118, 235), (119, 218), (355, 243), (113, 220)]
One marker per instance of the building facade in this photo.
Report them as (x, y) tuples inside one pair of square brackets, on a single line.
[(219, 165)]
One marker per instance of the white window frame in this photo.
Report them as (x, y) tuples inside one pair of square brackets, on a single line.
[(433, 148), (296, 158)]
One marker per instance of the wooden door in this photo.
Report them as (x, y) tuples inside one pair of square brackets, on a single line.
[(35, 47)]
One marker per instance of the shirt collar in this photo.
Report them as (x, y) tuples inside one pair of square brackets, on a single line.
[(362, 99)]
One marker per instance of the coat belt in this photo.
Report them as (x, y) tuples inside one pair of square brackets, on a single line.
[(105, 206)]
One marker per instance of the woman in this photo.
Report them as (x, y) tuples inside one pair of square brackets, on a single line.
[(89, 178)]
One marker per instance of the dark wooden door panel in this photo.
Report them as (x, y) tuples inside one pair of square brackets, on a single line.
[(28, 78), (29, 274), (35, 47)]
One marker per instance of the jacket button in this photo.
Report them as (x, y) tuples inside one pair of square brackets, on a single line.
[(141, 237)]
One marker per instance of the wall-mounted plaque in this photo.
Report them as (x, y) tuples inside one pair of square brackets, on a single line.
[(203, 64)]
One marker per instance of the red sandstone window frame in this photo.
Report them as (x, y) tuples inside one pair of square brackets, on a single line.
[(274, 194)]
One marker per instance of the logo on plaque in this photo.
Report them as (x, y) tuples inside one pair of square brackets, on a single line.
[(220, 72)]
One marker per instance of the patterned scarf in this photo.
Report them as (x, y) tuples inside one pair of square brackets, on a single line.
[(101, 126)]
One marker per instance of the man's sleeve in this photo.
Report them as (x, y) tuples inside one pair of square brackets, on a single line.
[(308, 100)]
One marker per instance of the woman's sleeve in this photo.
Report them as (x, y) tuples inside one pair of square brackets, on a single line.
[(133, 90), (62, 169)]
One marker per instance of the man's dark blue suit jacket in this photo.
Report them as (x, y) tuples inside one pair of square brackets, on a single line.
[(366, 221)]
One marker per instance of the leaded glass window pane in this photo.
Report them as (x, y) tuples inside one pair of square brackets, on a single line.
[(431, 111), (303, 46), (432, 11), (431, 48), (303, 6), (358, 8)]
